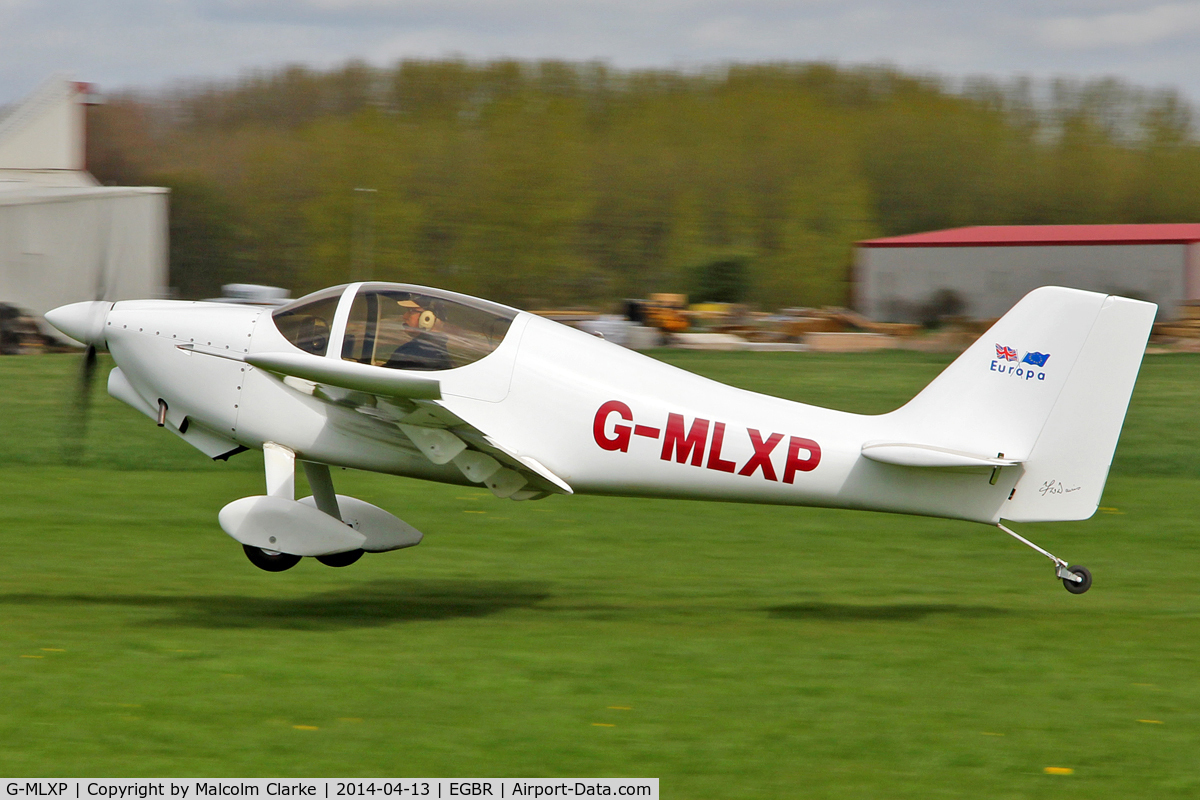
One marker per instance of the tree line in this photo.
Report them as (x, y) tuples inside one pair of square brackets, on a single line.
[(561, 184)]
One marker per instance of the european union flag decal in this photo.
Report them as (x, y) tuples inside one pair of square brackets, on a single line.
[(1035, 358)]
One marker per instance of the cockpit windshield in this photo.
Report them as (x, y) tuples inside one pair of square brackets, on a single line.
[(412, 327), (398, 326), (308, 321)]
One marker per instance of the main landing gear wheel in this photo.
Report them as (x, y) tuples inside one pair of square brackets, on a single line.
[(341, 559), (1082, 586), (270, 560)]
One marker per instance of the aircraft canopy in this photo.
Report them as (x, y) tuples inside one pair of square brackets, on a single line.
[(395, 325)]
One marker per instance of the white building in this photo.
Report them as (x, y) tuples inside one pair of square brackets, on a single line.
[(989, 268), (63, 237)]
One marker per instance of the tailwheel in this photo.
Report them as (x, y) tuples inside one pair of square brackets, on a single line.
[(1083, 584), (341, 559), (270, 560), (1077, 579)]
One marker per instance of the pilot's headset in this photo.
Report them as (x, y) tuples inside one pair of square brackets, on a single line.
[(430, 316), (426, 318)]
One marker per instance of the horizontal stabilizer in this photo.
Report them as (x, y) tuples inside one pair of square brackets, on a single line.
[(924, 455)]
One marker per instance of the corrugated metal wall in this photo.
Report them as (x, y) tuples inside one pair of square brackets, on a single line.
[(894, 283), (58, 248)]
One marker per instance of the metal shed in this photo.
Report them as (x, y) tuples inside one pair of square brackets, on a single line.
[(63, 237), (988, 268), (64, 244)]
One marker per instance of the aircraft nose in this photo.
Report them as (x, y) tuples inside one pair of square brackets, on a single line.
[(83, 322)]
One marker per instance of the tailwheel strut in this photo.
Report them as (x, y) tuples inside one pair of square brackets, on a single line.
[(1076, 579)]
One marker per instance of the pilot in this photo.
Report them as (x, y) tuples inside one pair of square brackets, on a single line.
[(426, 350)]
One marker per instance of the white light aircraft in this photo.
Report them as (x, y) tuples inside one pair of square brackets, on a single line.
[(430, 384)]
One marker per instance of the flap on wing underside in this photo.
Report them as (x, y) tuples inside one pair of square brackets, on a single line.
[(925, 455), (481, 458)]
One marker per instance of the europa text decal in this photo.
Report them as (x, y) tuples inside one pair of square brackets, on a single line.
[(1028, 368), (702, 443)]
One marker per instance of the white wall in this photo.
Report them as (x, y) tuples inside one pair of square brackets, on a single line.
[(992, 279), (56, 246), (45, 132)]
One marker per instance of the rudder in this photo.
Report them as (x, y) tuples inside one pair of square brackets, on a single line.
[(1047, 386), (1065, 473)]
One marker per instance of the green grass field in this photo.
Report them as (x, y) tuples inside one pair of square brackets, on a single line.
[(732, 651)]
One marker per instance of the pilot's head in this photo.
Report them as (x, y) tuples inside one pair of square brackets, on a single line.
[(416, 316)]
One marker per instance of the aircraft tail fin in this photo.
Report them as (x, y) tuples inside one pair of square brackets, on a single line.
[(1046, 387)]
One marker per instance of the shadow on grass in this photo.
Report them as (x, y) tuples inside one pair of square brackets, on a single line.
[(363, 605), (895, 612)]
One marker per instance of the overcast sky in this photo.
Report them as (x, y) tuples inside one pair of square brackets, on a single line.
[(149, 43)]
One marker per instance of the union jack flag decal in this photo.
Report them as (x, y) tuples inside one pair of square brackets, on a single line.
[(1005, 353)]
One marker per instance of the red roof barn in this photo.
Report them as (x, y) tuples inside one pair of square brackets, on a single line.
[(981, 271)]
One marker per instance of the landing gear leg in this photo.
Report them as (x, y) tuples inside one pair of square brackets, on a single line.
[(321, 483), (1077, 579)]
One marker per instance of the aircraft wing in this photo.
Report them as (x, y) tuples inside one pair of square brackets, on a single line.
[(399, 399), (348, 375)]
